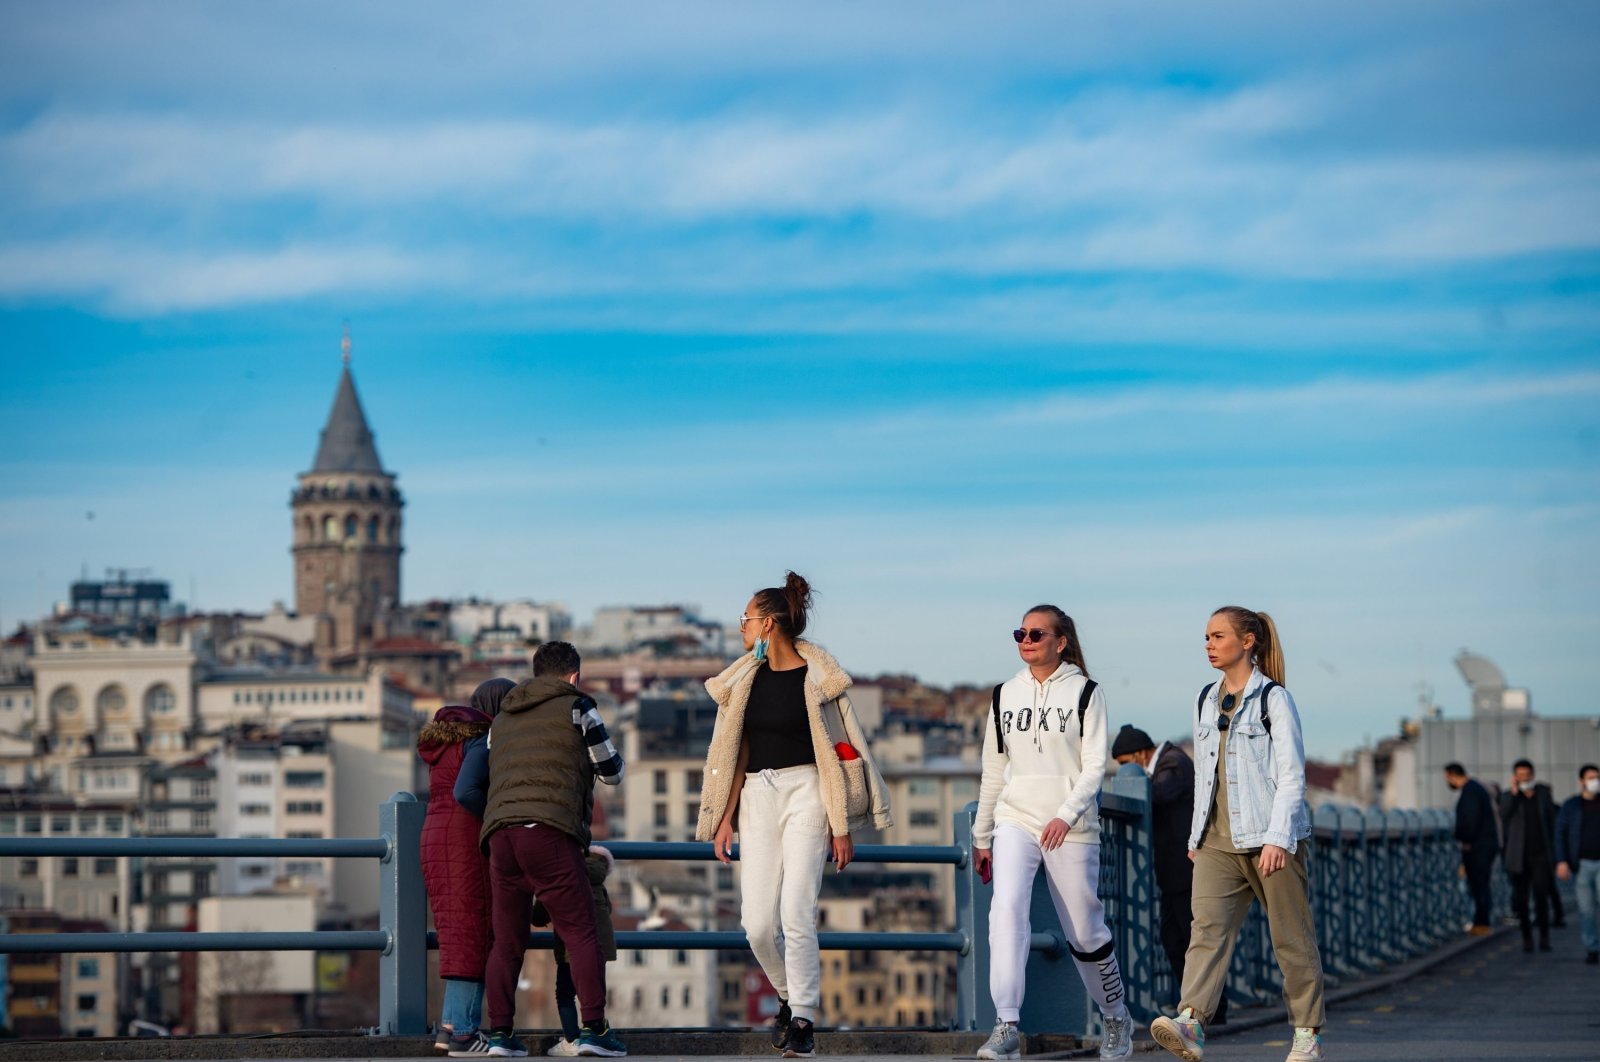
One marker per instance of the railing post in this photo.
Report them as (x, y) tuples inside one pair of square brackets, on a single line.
[(968, 892), (403, 914)]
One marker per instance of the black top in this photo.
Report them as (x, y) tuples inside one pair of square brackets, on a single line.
[(1475, 819), (1172, 794), (776, 722), (1589, 842)]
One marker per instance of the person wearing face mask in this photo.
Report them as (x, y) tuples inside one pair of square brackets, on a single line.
[(1478, 834), (1578, 853), (788, 768), (1044, 756), (1528, 819), (1249, 835), (1172, 806)]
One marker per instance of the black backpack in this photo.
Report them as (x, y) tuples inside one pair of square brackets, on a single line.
[(1083, 706), (1266, 691)]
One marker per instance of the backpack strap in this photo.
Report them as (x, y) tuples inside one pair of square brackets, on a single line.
[(1266, 720), (999, 738), (1200, 702), (1083, 703)]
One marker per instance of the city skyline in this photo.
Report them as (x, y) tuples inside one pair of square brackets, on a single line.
[(952, 314)]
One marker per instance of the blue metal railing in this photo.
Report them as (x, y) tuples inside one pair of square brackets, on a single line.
[(1383, 889)]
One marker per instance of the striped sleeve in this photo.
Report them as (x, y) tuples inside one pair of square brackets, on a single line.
[(603, 754)]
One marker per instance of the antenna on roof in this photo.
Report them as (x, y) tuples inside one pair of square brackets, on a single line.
[(344, 344)]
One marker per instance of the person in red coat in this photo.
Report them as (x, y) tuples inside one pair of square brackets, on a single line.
[(455, 870)]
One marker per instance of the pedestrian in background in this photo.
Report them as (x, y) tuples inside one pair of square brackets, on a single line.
[(1578, 853), (1172, 808), (1528, 815), (1248, 835), (455, 871), (1044, 757), (1478, 834)]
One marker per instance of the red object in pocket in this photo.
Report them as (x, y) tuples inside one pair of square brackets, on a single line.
[(986, 875), (846, 751)]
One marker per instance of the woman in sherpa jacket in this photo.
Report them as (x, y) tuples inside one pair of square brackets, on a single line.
[(788, 768), (455, 871), (1044, 755)]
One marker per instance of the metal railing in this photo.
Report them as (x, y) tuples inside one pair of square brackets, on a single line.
[(1383, 889)]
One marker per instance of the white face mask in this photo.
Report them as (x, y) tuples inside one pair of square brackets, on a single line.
[(1592, 785)]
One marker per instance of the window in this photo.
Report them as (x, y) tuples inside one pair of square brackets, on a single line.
[(303, 869), (924, 818), (305, 779), (661, 814), (692, 813), (688, 996), (33, 824), (724, 877), (88, 823), (104, 868), (350, 526), (638, 958), (69, 867), (87, 1001), (255, 810), (64, 701), (697, 781), (202, 820), (88, 968), (638, 999), (28, 868), (111, 700), (8, 825), (60, 823), (160, 699), (113, 823), (680, 958), (661, 781), (303, 807), (922, 787), (158, 820), (666, 996), (304, 835), (372, 529), (201, 789)]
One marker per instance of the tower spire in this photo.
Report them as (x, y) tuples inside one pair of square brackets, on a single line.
[(344, 344)]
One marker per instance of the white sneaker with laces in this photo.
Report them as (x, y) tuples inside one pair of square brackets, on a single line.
[(1004, 1042), (563, 1048), (1307, 1047), (1117, 1041)]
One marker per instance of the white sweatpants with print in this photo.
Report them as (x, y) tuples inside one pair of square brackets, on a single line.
[(1072, 873), (784, 843)]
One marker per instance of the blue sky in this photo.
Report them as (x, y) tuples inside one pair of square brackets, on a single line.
[(1139, 311)]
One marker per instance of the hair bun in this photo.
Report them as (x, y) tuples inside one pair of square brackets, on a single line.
[(798, 590)]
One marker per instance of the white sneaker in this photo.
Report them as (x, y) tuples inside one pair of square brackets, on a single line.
[(1307, 1047), (564, 1048), (1184, 1036), (1004, 1042), (1117, 1042)]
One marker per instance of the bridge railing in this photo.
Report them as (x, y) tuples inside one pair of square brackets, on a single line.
[(1383, 889)]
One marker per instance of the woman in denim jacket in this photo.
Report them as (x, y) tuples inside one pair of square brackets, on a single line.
[(1248, 837)]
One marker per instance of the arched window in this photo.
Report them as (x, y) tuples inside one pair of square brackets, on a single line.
[(111, 700), (394, 530), (330, 528), (372, 529), (350, 526), (64, 701), (310, 529)]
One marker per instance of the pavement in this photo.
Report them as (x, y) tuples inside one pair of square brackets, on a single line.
[(1477, 998)]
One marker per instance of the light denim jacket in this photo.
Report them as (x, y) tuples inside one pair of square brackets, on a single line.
[(1266, 773)]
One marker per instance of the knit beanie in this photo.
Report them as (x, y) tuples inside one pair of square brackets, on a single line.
[(1130, 739)]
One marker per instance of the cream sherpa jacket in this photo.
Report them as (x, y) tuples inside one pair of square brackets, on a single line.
[(825, 684)]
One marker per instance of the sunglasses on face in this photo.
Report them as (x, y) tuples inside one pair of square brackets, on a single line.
[(1031, 634)]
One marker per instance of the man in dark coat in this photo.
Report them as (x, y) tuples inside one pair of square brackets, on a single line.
[(1528, 815), (1478, 834), (1172, 805)]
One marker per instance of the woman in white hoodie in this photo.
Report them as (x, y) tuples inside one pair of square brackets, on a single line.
[(1044, 754)]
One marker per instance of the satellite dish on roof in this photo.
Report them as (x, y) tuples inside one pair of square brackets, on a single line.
[(1480, 672)]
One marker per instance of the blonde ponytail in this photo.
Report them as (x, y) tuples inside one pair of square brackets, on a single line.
[(1267, 651)]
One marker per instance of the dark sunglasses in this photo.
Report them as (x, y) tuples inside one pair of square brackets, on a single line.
[(1032, 634), (1229, 702)]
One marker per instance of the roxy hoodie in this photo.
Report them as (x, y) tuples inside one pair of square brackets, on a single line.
[(1046, 771)]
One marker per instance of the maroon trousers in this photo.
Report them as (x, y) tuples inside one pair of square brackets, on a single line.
[(525, 861)]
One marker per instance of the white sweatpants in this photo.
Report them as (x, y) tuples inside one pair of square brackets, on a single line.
[(784, 842), (1072, 873)]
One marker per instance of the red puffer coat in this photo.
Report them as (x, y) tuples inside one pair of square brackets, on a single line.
[(453, 867)]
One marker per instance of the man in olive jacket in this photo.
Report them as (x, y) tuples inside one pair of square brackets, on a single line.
[(544, 751)]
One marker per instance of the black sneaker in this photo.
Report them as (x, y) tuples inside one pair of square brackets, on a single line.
[(780, 1026), (802, 1041)]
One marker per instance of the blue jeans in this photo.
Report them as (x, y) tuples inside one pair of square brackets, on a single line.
[(463, 1003), (1588, 878)]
